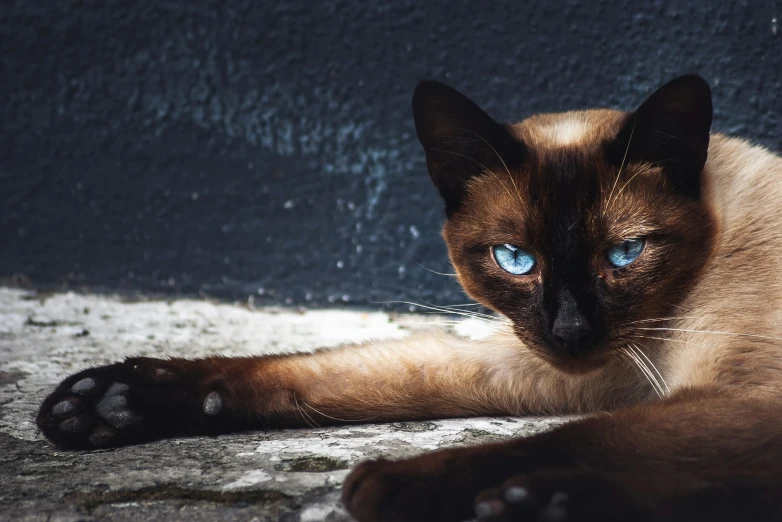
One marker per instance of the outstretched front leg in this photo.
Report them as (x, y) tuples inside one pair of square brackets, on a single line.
[(143, 399), (699, 455), (431, 376)]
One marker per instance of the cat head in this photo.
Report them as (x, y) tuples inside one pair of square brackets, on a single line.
[(575, 226)]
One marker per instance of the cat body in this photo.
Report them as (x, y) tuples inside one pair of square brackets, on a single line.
[(635, 262)]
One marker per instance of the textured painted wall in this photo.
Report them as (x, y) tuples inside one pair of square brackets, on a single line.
[(241, 148)]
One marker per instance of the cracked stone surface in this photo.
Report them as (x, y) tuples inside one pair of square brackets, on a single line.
[(287, 475)]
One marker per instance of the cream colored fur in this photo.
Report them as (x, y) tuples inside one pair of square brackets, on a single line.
[(728, 331)]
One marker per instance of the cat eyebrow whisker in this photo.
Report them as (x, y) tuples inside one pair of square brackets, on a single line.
[(666, 134), (501, 160), (434, 271), (621, 166), (627, 183), (460, 155), (485, 168)]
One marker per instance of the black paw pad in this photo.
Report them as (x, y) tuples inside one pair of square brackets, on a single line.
[(489, 509), (516, 495), (78, 425), (213, 403), (556, 510), (116, 388), (85, 386), (67, 407), (113, 407)]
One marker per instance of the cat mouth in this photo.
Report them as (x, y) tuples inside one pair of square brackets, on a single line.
[(576, 363), (572, 361)]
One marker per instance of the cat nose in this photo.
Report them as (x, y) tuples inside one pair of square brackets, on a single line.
[(571, 332), (572, 335)]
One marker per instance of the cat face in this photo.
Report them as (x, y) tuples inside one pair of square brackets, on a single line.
[(575, 226)]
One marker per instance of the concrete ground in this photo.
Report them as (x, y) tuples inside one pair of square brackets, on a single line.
[(290, 475)]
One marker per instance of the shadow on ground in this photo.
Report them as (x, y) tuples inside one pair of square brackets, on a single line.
[(286, 475)]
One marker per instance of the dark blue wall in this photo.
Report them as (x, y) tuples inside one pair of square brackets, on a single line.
[(261, 148)]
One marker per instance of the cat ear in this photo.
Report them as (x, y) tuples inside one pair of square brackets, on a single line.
[(461, 141), (671, 129)]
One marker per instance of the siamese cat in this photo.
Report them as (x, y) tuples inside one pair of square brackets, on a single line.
[(636, 261)]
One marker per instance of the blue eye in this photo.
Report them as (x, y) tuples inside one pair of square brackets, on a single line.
[(625, 252), (513, 259)]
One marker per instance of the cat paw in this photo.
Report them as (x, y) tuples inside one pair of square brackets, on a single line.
[(138, 400), (422, 489), (556, 496)]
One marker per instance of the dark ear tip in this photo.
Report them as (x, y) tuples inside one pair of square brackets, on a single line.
[(693, 82), (693, 78), (428, 90)]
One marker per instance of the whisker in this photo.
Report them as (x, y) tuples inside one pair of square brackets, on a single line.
[(460, 155), (627, 183), (653, 367), (677, 306), (465, 313), (435, 323), (462, 311), (666, 134), (303, 413), (501, 160), (338, 419), (622, 165), (434, 271), (667, 339), (644, 370), (713, 332), (485, 168), (671, 318), (657, 385), (452, 307)]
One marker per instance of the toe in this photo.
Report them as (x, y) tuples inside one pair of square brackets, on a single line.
[(490, 509), (85, 386), (116, 388), (213, 403), (109, 405), (123, 419), (75, 426), (67, 407), (115, 410), (556, 510), (516, 495)]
